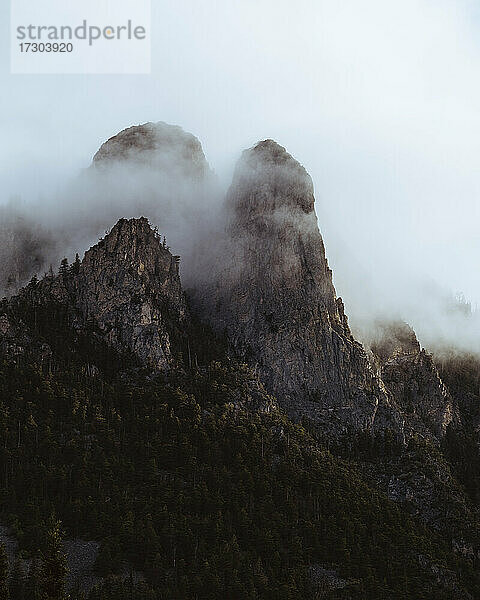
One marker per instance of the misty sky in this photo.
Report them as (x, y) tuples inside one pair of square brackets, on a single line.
[(379, 99)]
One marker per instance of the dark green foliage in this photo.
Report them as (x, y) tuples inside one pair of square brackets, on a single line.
[(33, 581), (17, 581), (194, 492), (4, 591), (75, 268), (53, 565), (461, 373), (207, 498), (63, 270), (116, 588)]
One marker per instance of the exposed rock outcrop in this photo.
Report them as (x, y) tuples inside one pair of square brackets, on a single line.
[(276, 300), (410, 375), (127, 290), (130, 285), (159, 146), (460, 372), (273, 293)]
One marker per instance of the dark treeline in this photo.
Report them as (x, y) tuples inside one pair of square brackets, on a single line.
[(184, 484)]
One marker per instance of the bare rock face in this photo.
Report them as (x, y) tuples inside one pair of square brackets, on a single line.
[(130, 285), (394, 339), (460, 371), (277, 303), (126, 293), (410, 375), (158, 145)]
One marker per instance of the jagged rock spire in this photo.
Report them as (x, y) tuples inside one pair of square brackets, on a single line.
[(276, 300), (410, 375), (129, 284)]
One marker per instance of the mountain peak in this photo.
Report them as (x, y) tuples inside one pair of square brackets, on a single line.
[(270, 151), (159, 145), (270, 175), (412, 378), (135, 243), (130, 285), (277, 303), (132, 239), (394, 338)]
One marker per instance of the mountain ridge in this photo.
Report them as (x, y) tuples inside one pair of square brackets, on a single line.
[(245, 398)]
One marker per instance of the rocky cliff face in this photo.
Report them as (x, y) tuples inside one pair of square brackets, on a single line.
[(160, 146), (127, 290), (130, 285), (273, 292), (277, 303), (460, 372), (410, 375)]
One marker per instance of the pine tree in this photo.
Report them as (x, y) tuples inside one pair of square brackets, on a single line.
[(17, 581), (76, 265), (54, 564), (104, 562), (32, 584), (3, 573), (157, 570), (63, 271)]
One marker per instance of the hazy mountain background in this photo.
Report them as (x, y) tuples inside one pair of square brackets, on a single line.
[(378, 100)]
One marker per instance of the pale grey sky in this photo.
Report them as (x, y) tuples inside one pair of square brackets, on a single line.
[(379, 99)]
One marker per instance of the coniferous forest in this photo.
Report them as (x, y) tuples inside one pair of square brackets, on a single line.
[(191, 490), (239, 300)]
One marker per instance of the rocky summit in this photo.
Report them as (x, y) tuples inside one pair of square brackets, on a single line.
[(157, 145), (409, 373), (276, 300), (127, 289), (129, 284)]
